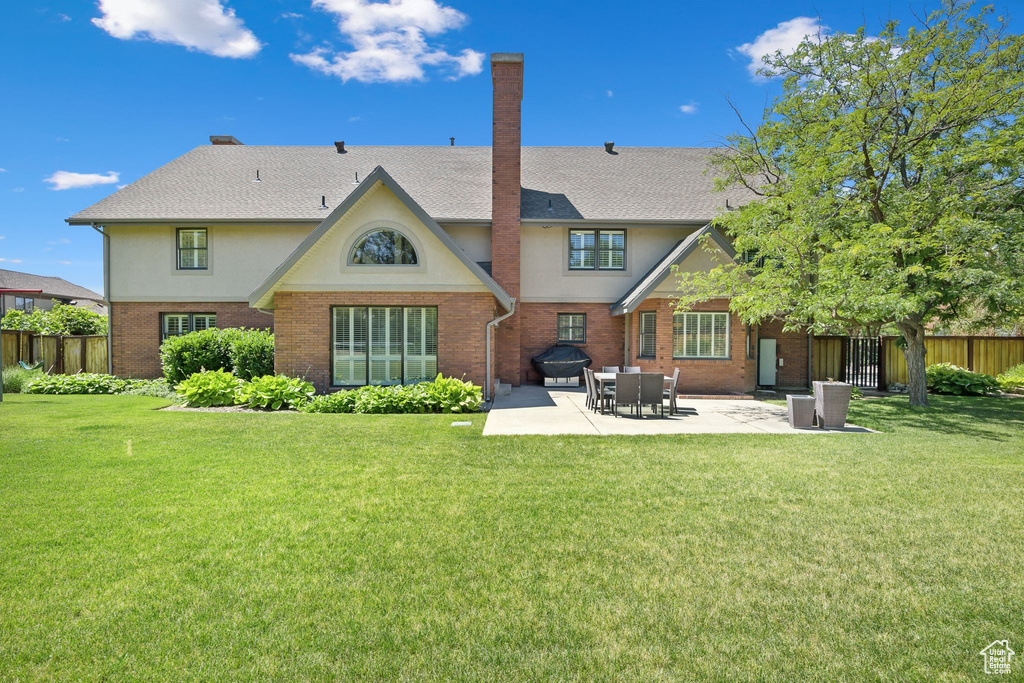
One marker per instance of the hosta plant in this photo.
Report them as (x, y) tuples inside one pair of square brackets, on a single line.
[(209, 388), (274, 392), (946, 378)]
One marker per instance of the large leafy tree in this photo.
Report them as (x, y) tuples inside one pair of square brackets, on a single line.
[(888, 184)]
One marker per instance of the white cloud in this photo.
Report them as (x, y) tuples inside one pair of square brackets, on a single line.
[(10, 260), (60, 139), (64, 263), (355, 119), (63, 17), (3, 170), (690, 108), (204, 25), (783, 38), (18, 189), (609, 93), (291, 15), (389, 41), (66, 180), (3, 237)]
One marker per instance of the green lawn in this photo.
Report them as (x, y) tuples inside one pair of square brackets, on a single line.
[(162, 546)]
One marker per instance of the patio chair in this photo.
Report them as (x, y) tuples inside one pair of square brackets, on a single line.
[(632, 369), (591, 394), (610, 368), (670, 393), (594, 391), (627, 391), (652, 389)]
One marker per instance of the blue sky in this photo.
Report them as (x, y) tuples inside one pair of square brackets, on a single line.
[(97, 94)]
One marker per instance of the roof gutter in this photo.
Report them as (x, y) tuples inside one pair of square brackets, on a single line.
[(106, 296), (488, 396)]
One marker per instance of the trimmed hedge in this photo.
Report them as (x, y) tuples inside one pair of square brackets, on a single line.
[(245, 352)]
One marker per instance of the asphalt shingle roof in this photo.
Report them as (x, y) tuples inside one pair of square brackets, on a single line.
[(52, 286), (215, 182)]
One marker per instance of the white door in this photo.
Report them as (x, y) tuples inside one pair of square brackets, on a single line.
[(766, 362)]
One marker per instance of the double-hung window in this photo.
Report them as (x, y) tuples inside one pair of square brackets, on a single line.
[(700, 335), (175, 324), (383, 345), (648, 328), (572, 327), (597, 250), (193, 249)]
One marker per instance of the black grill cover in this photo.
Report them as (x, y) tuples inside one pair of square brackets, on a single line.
[(562, 361)]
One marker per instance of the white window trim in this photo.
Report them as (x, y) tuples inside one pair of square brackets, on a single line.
[(653, 335)]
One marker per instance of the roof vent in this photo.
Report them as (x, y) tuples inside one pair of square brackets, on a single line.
[(609, 147), (323, 201), (257, 178), (356, 181), (452, 140), (224, 140), (340, 146), (550, 208)]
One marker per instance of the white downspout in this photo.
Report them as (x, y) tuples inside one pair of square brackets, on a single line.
[(491, 325), (106, 297)]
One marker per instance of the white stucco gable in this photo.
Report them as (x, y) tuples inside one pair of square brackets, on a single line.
[(322, 262)]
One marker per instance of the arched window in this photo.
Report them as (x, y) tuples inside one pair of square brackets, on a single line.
[(384, 247)]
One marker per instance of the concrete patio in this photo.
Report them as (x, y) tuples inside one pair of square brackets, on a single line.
[(532, 409)]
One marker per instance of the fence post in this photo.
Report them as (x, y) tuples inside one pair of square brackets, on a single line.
[(883, 384), (970, 353), (59, 363), (85, 365), (844, 360)]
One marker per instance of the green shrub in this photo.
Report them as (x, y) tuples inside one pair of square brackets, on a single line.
[(157, 388), (187, 354), (249, 353), (16, 377), (946, 378), (209, 388), (61, 319), (273, 392), (443, 395), (82, 383), (338, 402), (1011, 380)]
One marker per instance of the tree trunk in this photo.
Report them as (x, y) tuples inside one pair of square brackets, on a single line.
[(917, 381)]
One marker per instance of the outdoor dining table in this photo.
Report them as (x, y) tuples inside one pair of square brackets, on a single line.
[(609, 378)]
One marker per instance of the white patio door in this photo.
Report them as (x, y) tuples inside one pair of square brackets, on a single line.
[(420, 344), (385, 345)]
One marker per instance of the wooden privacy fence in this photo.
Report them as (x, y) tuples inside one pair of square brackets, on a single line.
[(60, 354), (879, 360), (991, 355)]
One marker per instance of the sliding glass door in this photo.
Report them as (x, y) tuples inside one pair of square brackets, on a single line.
[(383, 345)]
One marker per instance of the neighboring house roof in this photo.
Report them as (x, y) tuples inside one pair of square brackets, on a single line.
[(216, 183), (663, 268), (256, 299), (53, 287)]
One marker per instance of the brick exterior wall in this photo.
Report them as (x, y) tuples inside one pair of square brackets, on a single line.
[(507, 81), (791, 347), (302, 331), (136, 333), (735, 374), (605, 334)]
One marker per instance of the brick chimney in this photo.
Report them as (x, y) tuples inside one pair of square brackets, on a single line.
[(507, 79)]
